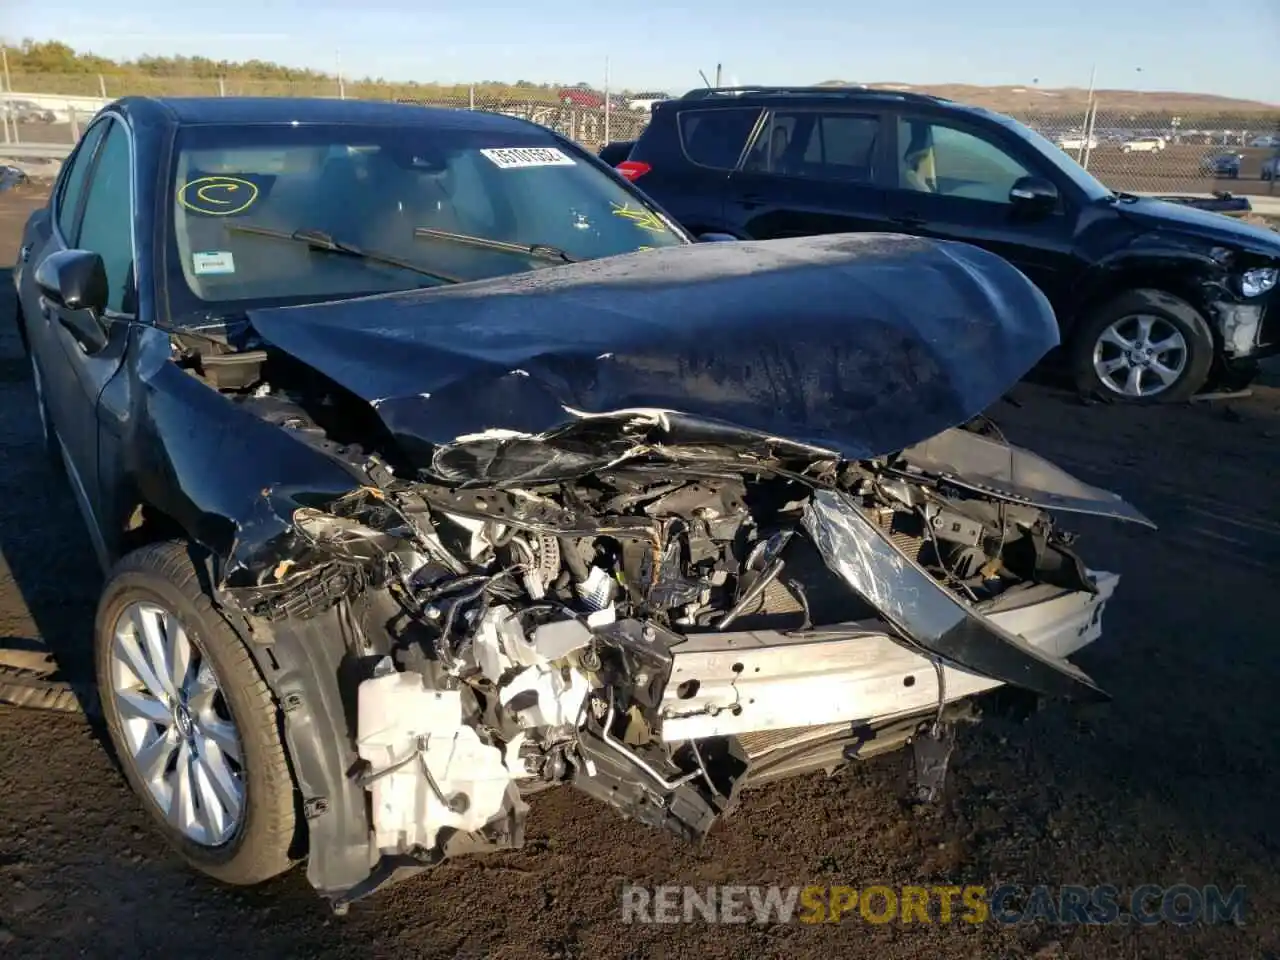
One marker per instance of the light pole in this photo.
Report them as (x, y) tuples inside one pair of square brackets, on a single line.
[(8, 100), (1082, 155)]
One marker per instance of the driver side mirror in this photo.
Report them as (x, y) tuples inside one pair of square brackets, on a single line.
[(75, 281), (1033, 196)]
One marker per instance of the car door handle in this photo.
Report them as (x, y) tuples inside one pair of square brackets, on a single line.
[(908, 220), (750, 201)]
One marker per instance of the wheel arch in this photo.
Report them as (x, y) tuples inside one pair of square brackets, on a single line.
[(183, 566), (1184, 278), (303, 663), (144, 524)]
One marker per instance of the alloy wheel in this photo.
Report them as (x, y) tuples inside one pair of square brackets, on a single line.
[(179, 735), (1140, 356)]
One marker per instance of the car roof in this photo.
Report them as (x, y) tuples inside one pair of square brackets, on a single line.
[(760, 96), (231, 110), (731, 94)]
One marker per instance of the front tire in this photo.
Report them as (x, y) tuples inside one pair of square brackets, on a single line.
[(1142, 347), (192, 721)]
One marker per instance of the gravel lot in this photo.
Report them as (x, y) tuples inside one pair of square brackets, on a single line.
[(1175, 781)]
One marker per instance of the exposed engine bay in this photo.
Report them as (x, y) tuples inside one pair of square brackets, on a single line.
[(531, 636), (541, 575)]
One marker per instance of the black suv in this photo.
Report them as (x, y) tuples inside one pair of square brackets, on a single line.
[(1155, 298)]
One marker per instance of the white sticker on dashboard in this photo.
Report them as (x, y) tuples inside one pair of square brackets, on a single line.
[(513, 158), (213, 261)]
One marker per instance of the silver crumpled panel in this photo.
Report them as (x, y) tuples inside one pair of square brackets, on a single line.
[(924, 612)]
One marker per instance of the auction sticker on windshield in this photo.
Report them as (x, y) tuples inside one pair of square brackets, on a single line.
[(213, 261), (513, 158)]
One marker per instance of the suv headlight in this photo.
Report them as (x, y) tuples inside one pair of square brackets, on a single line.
[(1254, 283)]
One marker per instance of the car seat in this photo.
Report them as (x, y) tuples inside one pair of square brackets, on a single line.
[(919, 170)]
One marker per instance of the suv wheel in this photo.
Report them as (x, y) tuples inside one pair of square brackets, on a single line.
[(193, 724), (1145, 346)]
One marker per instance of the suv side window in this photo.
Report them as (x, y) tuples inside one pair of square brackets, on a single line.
[(936, 158), (71, 189), (107, 228), (715, 137), (818, 145)]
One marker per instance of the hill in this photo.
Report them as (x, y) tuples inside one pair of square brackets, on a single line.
[(1033, 99)]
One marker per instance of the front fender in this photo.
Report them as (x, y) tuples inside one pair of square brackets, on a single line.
[(1177, 266), (229, 479)]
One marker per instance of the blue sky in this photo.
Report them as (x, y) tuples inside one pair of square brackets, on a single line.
[(1139, 44)]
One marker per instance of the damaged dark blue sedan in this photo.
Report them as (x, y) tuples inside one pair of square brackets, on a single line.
[(431, 465)]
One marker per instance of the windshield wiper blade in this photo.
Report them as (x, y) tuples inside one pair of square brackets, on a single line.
[(319, 240), (541, 251)]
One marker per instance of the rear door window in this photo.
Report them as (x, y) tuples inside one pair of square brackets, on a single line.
[(817, 145), (715, 137)]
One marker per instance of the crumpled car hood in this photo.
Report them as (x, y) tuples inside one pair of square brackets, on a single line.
[(858, 344), (1155, 214)]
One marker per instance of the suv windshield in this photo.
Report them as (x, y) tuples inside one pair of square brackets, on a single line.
[(343, 210)]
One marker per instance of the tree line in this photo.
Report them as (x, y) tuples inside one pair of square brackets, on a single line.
[(50, 63)]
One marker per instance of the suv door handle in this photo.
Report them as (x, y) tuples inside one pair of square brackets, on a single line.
[(750, 201), (909, 220)]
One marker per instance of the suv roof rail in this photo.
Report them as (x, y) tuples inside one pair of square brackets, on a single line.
[(860, 89)]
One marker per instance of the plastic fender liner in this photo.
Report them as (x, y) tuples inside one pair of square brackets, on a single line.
[(303, 669), (925, 612)]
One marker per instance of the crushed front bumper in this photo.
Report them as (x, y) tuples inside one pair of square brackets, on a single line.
[(751, 681)]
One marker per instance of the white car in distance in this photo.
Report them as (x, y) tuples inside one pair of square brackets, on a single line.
[(1077, 141), (1143, 145)]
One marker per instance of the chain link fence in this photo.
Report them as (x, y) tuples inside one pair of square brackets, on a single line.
[(1163, 152), (1139, 150)]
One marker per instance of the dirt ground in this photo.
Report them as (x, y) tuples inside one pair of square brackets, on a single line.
[(1175, 781)]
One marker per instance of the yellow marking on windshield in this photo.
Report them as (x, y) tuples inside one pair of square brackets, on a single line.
[(644, 219), (218, 196)]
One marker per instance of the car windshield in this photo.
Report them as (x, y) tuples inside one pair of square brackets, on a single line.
[(1078, 175), (267, 214)]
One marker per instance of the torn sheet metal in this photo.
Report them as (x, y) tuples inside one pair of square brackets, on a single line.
[(894, 339), (994, 468), (923, 609)]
